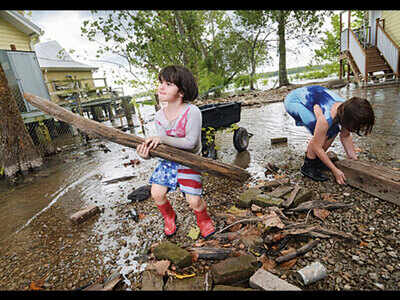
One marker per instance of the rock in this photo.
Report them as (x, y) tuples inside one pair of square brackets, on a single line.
[(247, 197), (233, 269), (140, 194), (171, 252), (266, 281), (303, 195), (197, 283), (281, 191), (151, 281)]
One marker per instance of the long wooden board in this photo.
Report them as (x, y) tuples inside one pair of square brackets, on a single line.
[(376, 180), (191, 160)]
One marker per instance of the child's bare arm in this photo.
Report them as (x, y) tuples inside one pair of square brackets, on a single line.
[(347, 142)]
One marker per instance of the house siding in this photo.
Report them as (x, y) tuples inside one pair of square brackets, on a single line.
[(11, 35), (392, 24)]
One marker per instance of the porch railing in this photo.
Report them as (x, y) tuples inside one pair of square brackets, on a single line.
[(388, 48)]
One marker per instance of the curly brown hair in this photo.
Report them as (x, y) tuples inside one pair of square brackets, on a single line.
[(356, 114), (183, 78)]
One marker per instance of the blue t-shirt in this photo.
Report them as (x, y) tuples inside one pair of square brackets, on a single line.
[(300, 102)]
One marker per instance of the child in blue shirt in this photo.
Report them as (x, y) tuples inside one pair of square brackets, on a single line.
[(325, 114)]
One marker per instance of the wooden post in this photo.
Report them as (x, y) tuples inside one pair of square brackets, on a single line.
[(191, 160), (340, 49), (348, 31), (128, 113)]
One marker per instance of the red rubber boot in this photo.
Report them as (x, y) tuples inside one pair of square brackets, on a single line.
[(169, 218), (205, 223)]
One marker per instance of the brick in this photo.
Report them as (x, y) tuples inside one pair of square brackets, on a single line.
[(267, 281)]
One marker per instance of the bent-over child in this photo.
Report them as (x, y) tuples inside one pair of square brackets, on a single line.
[(325, 114)]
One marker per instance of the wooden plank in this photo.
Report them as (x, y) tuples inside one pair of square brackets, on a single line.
[(278, 140), (84, 214), (191, 160), (379, 181)]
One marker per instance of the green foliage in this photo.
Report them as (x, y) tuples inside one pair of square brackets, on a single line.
[(219, 47), (329, 51), (313, 72)]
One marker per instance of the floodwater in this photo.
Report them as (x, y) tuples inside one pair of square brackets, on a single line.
[(79, 176)]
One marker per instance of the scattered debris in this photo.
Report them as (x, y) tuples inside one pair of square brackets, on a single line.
[(279, 140), (312, 273)]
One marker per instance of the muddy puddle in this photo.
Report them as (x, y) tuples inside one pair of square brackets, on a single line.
[(79, 176)]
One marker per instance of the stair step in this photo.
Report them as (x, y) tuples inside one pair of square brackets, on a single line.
[(377, 68)]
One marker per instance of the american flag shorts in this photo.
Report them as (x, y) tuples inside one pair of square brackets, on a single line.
[(172, 175)]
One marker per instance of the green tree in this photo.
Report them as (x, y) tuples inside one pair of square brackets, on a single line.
[(149, 40), (303, 25), (329, 51), (253, 29)]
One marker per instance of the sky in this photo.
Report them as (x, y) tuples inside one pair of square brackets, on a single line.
[(64, 27)]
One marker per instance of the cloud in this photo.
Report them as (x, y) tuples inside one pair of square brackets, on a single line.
[(64, 27)]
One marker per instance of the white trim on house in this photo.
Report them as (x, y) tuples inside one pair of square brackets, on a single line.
[(21, 23)]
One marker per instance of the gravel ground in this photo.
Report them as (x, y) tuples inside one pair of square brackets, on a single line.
[(63, 256), (54, 254)]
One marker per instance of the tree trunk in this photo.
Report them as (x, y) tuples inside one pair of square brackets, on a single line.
[(283, 80), (191, 160), (17, 150)]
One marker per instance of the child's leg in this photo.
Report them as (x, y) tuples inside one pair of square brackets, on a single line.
[(190, 184), (159, 195), (195, 202), (204, 221)]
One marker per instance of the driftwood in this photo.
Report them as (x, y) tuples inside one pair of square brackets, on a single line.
[(292, 196), (307, 247), (107, 285), (211, 253), (191, 160), (320, 204), (379, 181), (278, 140), (84, 214)]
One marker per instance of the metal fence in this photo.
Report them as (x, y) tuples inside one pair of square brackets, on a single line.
[(49, 134)]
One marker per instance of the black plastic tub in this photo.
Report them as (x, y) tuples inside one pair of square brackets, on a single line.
[(220, 115)]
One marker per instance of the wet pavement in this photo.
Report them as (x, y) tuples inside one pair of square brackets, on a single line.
[(76, 178)]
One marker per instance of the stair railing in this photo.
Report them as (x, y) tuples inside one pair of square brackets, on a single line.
[(350, 42), (387, 47)]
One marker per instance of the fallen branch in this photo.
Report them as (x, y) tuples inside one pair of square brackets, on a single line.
[(307, 247), (211, 253), (320, 204), (249, 220)]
